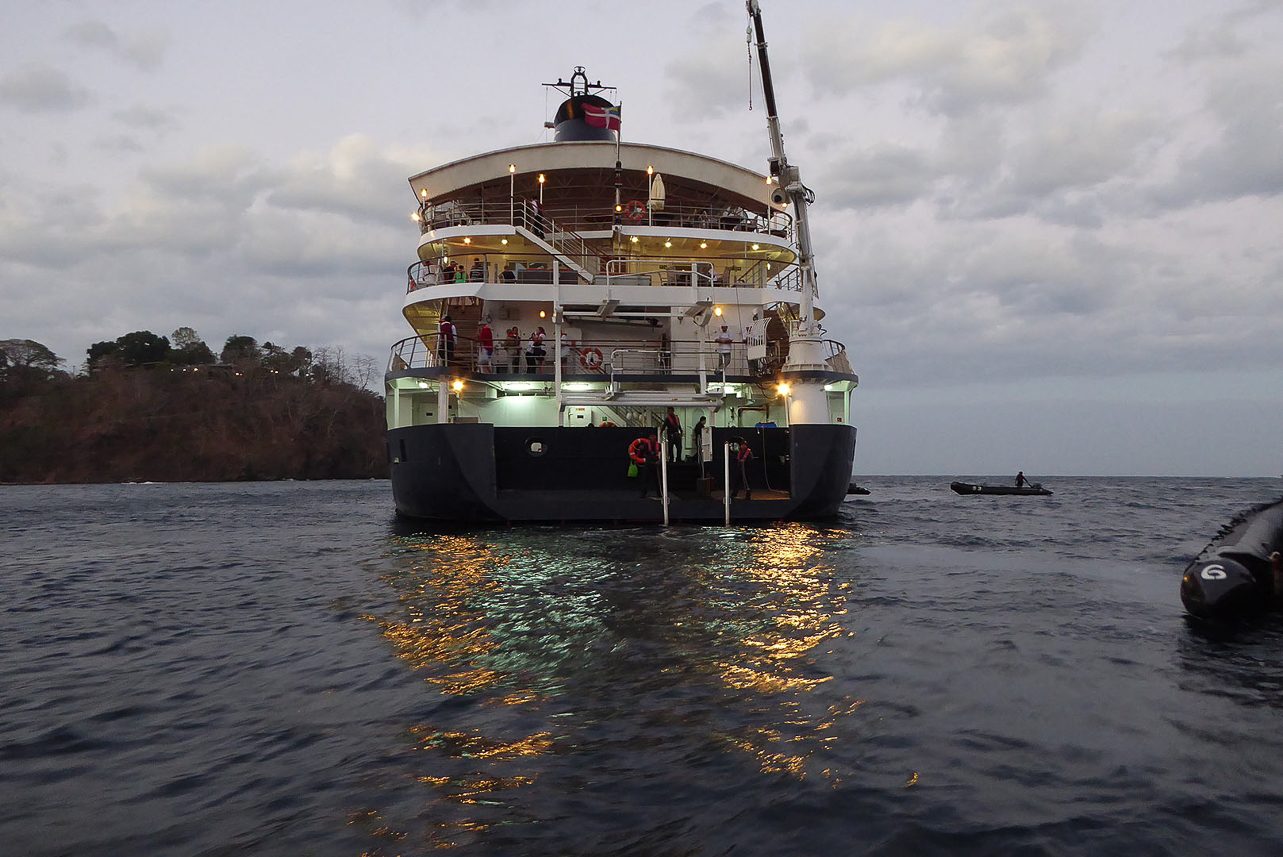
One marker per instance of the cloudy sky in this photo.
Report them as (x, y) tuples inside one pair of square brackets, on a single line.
[(1050, 233)]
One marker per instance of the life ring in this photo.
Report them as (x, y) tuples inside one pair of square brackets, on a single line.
[(590, 358), (635, 211)]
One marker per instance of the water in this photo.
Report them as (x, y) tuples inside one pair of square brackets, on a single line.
[(284, 669)]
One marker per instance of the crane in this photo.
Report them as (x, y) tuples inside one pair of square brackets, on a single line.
[(790, 185)]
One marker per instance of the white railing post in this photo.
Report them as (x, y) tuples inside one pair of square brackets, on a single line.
[(726, 481), (663, 474)]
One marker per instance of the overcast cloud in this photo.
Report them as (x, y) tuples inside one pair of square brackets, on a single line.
[(1049, 232)]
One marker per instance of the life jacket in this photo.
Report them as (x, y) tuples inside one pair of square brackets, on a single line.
[(640, 450)]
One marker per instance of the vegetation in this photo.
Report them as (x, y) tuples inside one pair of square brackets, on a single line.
[(155, 408)]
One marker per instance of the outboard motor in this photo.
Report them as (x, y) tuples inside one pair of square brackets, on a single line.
[(1233, 577)]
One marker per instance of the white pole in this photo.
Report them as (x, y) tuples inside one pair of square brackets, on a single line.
[(663, 477), (726, 481)]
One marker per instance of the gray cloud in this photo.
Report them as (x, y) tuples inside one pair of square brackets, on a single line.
[(1003, 54), (38, 88), (142, 48)]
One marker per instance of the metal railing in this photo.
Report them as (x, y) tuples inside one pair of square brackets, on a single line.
[(575, 219), (590, 359)]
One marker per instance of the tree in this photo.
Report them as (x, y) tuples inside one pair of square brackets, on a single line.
[(142, 347), (27, 354), (185, 337), (189, 349), (24, 362), (101, 354), (240, 350)]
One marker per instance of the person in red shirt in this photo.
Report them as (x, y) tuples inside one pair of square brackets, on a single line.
[(485, 344)]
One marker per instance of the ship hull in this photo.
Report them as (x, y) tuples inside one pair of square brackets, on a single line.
[(480, 473)]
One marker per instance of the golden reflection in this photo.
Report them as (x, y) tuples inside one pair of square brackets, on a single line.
[(509, 623)]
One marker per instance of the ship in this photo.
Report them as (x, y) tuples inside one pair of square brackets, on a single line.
[(573, 296)]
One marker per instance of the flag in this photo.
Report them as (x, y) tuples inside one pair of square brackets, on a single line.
[(601, 117)]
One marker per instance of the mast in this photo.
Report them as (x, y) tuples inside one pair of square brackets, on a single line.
[(797, 193)]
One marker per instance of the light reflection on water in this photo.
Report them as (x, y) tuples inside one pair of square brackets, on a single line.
[(549, 643)]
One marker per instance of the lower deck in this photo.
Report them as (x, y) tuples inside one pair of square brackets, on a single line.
[(480, 472)]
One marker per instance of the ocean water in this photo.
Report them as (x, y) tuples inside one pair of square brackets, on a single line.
[(287, 669)]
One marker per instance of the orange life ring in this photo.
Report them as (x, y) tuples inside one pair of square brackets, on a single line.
[(635, 211), (590, 358)]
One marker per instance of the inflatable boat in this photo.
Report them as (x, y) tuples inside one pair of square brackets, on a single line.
[(969, 488), (1233, 577)]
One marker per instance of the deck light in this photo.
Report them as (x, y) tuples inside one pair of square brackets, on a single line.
[(541, 181), (650, 170), (512, 168), (503, 240), (457, 385), (754, 246), (415, 217), (424, 193), (467, 240), (717, 311), (543, 314), (784, 389), (634, 239), (703, 245), (618, 208), (668, 243)]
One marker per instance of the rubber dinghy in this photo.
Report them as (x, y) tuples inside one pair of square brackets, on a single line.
[(971, 488), (1233, 577)]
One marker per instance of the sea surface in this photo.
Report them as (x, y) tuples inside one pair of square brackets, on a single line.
[(286, 669)]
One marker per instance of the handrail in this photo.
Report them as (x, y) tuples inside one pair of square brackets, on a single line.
[(576, 219), (588, 359)]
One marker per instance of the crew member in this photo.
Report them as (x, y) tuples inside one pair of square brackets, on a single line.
[(743, 455), (673, 435), (644, 452)]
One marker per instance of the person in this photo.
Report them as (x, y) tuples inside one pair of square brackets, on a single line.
[(446, 337), (673, 435), (567, 352), (478, 273), (724, 340), (485, 342), (512, 342), (644, 452), (1020, 479), (753, 365), (535, 353), (697, 444), (460, 275), (743, 455), (536, 218)]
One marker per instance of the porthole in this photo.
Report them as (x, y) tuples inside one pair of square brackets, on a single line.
[(536, 447)]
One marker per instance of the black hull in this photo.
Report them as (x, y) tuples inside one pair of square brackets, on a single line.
[(1233, 577), (481, 473), (970, 488)]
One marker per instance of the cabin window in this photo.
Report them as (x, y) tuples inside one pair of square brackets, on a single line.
[(536, 447)]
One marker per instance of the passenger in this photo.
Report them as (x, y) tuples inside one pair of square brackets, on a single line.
[(644, 452), (673, 435), (1020, 479), (724, 341), (536, 353), (567, 353), (460, 275), (485, 346), (512, 342), (446, 337), (478, 273)]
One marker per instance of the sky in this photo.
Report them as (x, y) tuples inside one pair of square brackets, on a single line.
[(1049, 233)]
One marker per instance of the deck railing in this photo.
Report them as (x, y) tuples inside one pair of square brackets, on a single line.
[(589, 360), (590, 218)]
